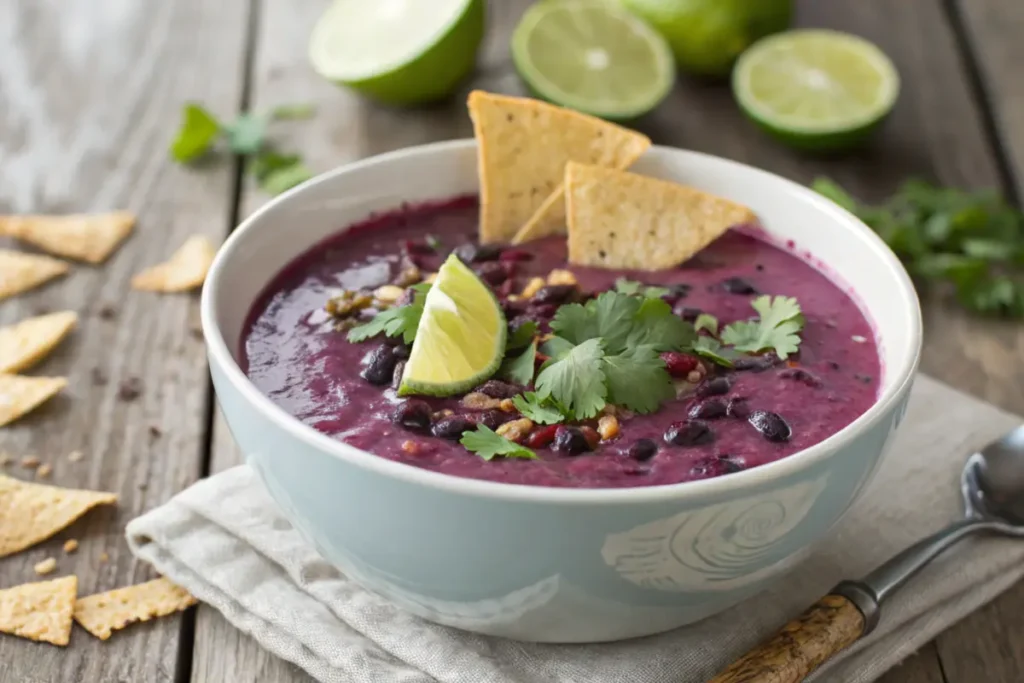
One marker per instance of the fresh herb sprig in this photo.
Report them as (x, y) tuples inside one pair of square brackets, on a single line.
[(200, 132), (395, 321), (488, 444), (972, 242), (776, 329)]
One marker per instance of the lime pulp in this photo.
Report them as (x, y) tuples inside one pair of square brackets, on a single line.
[(594, 57)]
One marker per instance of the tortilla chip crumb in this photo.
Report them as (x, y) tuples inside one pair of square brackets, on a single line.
[(70, 546), (21, 395), (40, 611), (75, 456), (21, 272), (30, 462), (30, 513), (184, 271), (24, 344), (619, 219), (45, 567), (104, 613), (44, 471), (85, 237)]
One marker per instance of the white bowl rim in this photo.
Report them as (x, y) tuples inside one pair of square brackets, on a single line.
[(221, 355)]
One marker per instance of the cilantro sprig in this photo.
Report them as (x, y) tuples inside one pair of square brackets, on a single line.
[(392, 322), (531, 405), (488, 444), (970, 242), (776, 329), (200, 133)]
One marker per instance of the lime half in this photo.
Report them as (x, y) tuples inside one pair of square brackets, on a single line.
[(460, 340), (400, 52), (594, 57), (816, 89)]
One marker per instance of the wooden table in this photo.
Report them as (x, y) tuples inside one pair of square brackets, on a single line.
[(90, 94)]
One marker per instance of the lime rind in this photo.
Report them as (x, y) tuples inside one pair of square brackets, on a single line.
[(460, 341), (426, 73), (550, 27), (838, 117)]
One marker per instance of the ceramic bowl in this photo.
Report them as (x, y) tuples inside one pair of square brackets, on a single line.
[(545, 564)]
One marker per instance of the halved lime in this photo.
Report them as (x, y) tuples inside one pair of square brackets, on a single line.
[(816, 89), (460, 340), (401, 52), (594, 57)]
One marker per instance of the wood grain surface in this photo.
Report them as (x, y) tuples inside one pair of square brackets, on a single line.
[(89, 98)]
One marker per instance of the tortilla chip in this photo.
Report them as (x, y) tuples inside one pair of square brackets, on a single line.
[(624, 220), (31, 513), (523, 146), (185, 270), (21, 395), (104, 613), (21, 272), (24, 344), (40, 611), (83, 237)]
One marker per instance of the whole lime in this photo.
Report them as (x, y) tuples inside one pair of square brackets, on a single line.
[(708, 35)]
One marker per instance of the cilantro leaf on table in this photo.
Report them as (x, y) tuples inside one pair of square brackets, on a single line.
[(520, 369), (521, 336), (285, 112), (488, 444), (638, 380), (656, 326), (247, 134), (197, 135), (707, 322), (537, 409), (775, 330), (399, 320), (285, 178), (576, 381)]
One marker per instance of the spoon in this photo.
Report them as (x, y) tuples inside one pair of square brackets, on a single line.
[(992, 484)]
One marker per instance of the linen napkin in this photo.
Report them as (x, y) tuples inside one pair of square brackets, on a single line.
[(224, 540)]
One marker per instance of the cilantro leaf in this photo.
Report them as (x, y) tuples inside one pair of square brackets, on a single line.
[(285, 178), (520, 368), (613, 318), (633, 288), (556, 347), (776, 330), (638, 380), (827, 188), (655, 325), (488, 444), (284, 112), (537, 409), (197, 134), (712, 349), (521, 336), (269, 161), (247, 134), (707, 322), (575, 323), (399, 320), (576, 381)]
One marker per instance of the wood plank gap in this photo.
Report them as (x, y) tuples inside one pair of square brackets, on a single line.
[(981, 91)]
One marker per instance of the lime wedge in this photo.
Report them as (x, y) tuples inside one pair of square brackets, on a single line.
[(816, 89), (460, 340), (400, 52), (594, 57)]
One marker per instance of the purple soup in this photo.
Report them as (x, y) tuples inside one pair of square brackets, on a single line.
[(722, 420)]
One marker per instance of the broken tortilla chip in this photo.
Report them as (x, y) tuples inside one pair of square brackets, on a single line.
[(21, 395), (185, 270), (624, 220), (40, 611), (85, 237), (30, 513), (104, 613), (21, 272), (24, 344), (523, 146)]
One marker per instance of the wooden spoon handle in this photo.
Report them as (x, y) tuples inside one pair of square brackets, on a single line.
[(802, 645)]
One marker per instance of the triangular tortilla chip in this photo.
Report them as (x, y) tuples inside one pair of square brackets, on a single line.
[(85, 237), (30, 513), (185, 270), (21, 272), (104, 613), (40, 611), (624, 220), (523, 146), (24, 344), (21, 395)]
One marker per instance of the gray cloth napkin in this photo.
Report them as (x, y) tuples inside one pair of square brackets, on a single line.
[(225, 541)]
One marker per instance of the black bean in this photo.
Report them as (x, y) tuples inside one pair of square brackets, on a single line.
[(802, 376), (413, 415), (396, 378), (452, 427), (737, 407), (711, 409), (759, 364), (401, 351), (770, 425), (492, 419), (737, 285), (714, 387), (731, 464), (554, 294), (492, 272), (715, 466), (689, 433), (834, 365), (570, 440), (678, 291), (687, 313), (381, 368), (495, 388), (476, 253), (642, 449)]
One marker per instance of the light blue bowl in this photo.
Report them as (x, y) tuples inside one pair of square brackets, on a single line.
[(542, 564)]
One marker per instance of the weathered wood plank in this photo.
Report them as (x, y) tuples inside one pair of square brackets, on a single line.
[(90, 95)]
